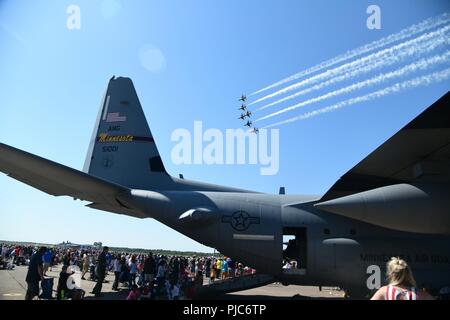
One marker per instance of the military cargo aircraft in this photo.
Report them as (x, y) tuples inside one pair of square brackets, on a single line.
[(395, 202)]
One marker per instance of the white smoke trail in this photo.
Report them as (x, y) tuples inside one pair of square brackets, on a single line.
[(382, 54), (422, 64), (416, 82), (423, 26), (421, 49)]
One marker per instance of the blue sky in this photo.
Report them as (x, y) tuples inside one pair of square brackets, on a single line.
[(52, 80)]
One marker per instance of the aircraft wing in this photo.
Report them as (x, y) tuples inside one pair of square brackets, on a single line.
[(420, 152), (59, 180)]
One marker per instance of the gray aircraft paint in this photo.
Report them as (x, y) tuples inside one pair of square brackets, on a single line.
[(133, 159), (345, 231), (400, 206)]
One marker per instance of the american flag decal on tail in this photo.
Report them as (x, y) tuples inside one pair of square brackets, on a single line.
[(115, 117)]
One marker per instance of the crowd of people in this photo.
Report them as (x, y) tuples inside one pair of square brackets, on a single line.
[(12, 255), (146, 276), (149, 276)]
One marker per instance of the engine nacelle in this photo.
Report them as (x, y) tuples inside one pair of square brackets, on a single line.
[(417, 208)]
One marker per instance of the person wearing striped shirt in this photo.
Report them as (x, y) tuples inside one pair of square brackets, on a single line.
[(402, 285)]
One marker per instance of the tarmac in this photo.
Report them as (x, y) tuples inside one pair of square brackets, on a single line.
[(13, 287)]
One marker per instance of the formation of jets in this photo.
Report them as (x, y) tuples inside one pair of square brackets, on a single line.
[(246, 114)]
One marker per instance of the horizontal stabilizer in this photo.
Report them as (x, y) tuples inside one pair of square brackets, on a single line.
[(118, 209), (57, 179)]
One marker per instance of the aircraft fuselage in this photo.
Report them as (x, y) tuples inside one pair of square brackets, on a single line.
[(330, 250)]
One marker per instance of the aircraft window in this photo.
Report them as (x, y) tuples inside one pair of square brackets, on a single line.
[(326, 231)]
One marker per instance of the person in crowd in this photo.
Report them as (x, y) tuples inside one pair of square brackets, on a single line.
[(240, 270), (173, 290), (92, 275), (62, 291), (125, 272), (109, 258), (184, 274), (117, 269), (287, 265), (192, 265), (175, 269), (231, 267), (402, 285), (140, 270), (12, 256), (218, 268), (54, 260), (35, 274), (101, 272), (196, 265), (47, 260), (213, 272), (149, 269), (161, 273), (208, 267), (134, 293), (4, 251), (67, 258), (85, 264), (224, 271), (133, 270)]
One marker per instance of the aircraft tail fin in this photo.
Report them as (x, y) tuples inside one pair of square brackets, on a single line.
[(122, 148)]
